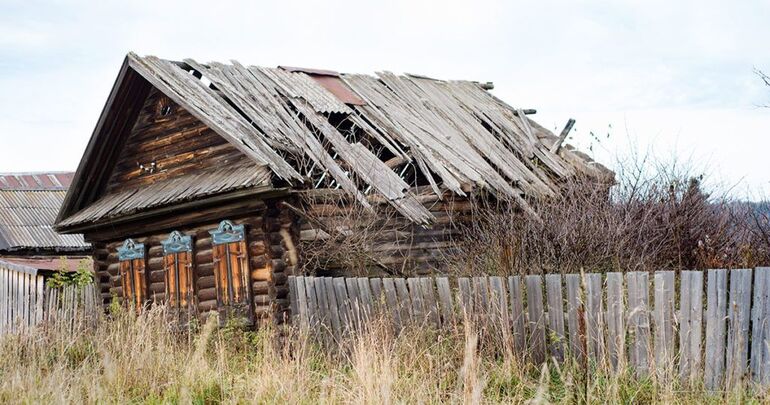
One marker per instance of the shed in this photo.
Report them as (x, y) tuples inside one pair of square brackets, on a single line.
[(203, 185)]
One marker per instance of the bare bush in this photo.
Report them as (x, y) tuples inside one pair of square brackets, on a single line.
[(656, 217)]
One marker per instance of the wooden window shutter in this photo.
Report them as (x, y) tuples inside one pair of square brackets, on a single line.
[(178, 266), (231, 270), (133, 278)]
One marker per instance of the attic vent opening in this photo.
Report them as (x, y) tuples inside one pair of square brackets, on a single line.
[(165, 107)]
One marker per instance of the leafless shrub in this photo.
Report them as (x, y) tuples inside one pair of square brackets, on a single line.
[(657, 216), (344, 235)]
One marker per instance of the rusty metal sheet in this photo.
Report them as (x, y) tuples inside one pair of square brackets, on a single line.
[(35, 181)]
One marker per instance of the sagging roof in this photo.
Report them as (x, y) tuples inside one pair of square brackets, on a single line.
[(29, 203), (361, 131)]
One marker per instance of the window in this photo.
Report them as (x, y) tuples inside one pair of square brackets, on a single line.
[(231, 270), (177, 263), (133, 279)]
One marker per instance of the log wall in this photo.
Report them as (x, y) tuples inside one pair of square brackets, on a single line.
[(271, 236)]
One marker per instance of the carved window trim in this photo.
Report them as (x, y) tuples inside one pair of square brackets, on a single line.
[(232, 277), (178, 270), (133, 275)]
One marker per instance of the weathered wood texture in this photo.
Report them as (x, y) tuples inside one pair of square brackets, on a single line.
[(271, 252), (390, 244), (598, 320), (25, 301), (174, 140)]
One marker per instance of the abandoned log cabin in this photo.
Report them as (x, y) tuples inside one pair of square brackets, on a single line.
[(205, 186), (29, 203)]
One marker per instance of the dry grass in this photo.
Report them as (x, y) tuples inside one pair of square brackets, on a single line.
[(141, 360)]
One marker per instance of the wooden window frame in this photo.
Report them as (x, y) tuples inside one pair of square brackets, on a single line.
[(133, 274), (232, 275), (178, 265)]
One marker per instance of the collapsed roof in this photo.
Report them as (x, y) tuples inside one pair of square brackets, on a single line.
[(358, 133)]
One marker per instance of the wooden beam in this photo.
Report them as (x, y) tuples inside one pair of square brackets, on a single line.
[(564, 132)]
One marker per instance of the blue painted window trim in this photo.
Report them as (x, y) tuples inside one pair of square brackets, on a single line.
[(227, 232), (130, 250), (177, 242)]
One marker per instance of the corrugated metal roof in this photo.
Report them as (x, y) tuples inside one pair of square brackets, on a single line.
[(36, 181), (26, 219)]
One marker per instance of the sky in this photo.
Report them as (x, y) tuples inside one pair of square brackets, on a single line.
[(674, 80)]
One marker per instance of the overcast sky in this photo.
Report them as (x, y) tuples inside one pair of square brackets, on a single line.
[(672, 77)]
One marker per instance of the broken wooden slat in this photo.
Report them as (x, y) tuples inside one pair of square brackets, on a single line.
[(716, 327), (738, 326), (536, 314), (663, 314), (555, 315)]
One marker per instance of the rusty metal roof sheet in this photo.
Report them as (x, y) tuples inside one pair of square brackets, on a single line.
[(26, 219), (36, 181)]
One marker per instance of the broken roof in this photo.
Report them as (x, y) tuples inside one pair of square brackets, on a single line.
[(29, 203), (351, 127)]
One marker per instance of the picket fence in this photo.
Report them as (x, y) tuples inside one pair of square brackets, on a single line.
[(653, 322), (26, 301)]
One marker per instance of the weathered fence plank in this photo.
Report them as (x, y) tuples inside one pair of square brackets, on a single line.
[(445, 301), (663, 315), (691, 324), (498, 305), (594, 321), (334, 313), (518, 318), (391, 301), (575, 318), (536, 314), (716, 327), (738, 326), (465, 296), (616, 332), (639, 320), (759, 324), (429, 300), (555, 302)]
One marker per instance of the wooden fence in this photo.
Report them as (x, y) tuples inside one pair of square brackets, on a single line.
[(26, 301), (708, 326)]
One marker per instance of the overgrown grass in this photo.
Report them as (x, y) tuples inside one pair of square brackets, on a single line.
[(131, 359)]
